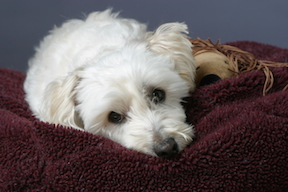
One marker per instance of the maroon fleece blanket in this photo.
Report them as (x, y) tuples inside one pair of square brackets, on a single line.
[(241, 142)]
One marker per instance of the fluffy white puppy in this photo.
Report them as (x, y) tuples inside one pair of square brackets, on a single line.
[(109, 76)]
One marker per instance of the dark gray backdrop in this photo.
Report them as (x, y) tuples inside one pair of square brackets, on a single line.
[(24, 23)]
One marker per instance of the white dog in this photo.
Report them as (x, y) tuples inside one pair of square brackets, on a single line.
[(109, 76)]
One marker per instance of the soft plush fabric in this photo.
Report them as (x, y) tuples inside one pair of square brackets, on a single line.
[(241, 142)]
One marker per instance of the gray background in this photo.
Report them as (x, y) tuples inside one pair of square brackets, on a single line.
[(24, 23)]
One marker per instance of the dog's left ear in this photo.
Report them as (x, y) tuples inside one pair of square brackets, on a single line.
[(171, 39), (59, 102)]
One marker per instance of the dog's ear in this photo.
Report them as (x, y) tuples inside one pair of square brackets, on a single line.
[(171, 39), (59, 102)]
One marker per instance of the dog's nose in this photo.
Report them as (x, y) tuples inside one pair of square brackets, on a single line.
[(167, 148)]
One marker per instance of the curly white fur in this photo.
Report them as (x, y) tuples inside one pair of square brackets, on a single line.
[(86, 71)]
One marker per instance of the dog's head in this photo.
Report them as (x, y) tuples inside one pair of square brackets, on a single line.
[(133, 95)]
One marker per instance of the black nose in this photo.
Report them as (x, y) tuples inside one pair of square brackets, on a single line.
[(167, 148), (209, 79)]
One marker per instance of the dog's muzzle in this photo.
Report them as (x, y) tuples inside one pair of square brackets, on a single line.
[(167, 148)]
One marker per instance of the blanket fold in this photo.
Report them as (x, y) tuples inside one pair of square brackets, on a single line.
[(241, 142)]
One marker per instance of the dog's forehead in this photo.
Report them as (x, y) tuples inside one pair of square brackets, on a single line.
[(135, 57), (139, 80), (132, 75)]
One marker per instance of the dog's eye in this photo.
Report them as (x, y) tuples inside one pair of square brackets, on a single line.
[(115, 117), (158, 96)]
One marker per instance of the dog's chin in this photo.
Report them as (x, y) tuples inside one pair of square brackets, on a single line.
[(165, 140), (164, 145)]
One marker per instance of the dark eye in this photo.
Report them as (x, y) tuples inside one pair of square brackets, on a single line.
[(115, 117), (158, 96)]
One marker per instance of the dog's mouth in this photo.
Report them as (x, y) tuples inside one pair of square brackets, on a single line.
[(167, 148)]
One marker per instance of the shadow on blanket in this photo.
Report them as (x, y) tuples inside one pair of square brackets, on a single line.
[(241, 142)]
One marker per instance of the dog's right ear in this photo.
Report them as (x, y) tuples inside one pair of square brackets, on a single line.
[(59, 102)]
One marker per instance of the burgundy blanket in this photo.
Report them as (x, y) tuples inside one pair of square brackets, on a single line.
[(241, 142)]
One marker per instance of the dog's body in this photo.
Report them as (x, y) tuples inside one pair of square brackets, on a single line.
[(109, 76)]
